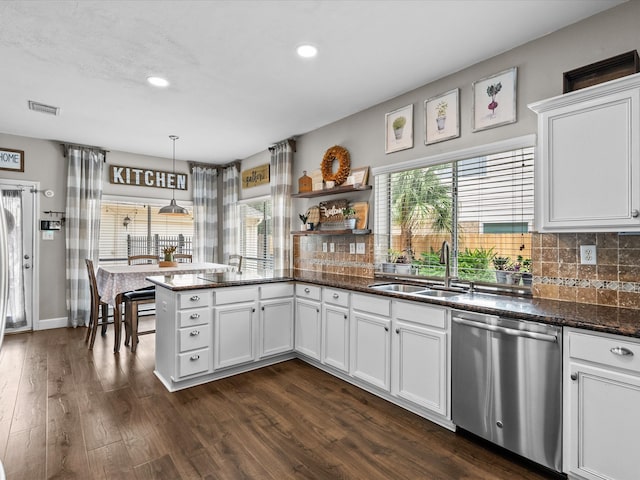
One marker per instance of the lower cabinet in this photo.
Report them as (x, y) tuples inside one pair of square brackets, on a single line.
[(234, 327), (308, 320), (276, 319), (602, 406), (335, 337)]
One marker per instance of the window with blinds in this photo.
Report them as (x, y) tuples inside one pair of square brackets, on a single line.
[(134, 227), (256, 239), (482, 206)]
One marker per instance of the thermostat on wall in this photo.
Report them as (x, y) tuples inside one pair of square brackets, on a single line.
[(49, 193)]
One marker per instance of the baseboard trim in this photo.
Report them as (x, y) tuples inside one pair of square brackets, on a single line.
[(50, 323)]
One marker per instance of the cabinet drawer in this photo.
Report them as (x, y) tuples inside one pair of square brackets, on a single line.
[(276, 290), (421, 314), (335, 296), (312, 292), (194, 316), (372, 304), (226, 295), (613, 351), (194, 337), (193, 362), (194, 298)]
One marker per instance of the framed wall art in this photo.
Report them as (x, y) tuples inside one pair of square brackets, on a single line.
[(360, 175), (11, 159), (494, 100), (399, 129), (442, 117)]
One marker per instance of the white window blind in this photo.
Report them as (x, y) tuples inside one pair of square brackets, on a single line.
[(133, 226), (482, 206), (256, 245)]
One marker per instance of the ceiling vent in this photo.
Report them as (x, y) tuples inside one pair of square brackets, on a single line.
[(42, 108)]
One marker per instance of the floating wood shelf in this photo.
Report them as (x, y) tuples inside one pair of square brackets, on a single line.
[(332, 191), (332, 232)]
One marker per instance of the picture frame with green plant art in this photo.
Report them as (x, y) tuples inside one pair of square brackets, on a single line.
[(399, 129), (442, 117), (494, 100)]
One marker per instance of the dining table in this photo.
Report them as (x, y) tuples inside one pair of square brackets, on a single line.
[(114, 281)]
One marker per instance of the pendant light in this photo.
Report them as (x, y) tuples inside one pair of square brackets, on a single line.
[(173, 208)]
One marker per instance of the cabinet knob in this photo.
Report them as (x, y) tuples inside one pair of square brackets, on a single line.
[(194, 333), (263, 308), (398, 331), (635, 213), (345, 317), (253, 310), (622, 351), (194, 298), (194, 358), (335, 295), (386, 329), (306, 290), (195, 315), (574, 376)]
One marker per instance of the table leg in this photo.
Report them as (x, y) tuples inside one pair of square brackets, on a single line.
[(117, 322)]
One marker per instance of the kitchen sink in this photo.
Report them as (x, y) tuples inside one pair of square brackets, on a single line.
[(398, 288), (437, 293)]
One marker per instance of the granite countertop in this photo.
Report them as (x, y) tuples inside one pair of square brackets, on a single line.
[(621, 321)]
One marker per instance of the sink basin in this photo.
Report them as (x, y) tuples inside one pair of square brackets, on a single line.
[(437, 293), (398, 288)]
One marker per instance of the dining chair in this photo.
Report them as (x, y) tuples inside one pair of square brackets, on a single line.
[(235, 261), (141, 259), (99, 309), (132, 300), (183, 257)]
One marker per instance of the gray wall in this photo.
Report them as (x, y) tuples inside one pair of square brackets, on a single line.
[(540, 63)]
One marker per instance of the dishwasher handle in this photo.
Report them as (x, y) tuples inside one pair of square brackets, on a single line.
[(507, 331)]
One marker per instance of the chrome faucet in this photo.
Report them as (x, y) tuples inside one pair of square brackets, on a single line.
[(445, 253)]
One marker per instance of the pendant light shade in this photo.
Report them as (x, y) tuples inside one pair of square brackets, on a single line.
[(173, 208)]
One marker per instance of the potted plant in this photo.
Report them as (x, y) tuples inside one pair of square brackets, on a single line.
[(513, 273), (390, 265), (501, 264), (527, 276), (350, 218), (303, 218), (398, 126)]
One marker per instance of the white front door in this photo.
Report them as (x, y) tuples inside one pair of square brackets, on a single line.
[(18, 200)]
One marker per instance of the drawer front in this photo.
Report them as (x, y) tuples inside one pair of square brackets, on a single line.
[(194, 299), (193, 362), (225, 295), (193, 338), (335, 296), (276, 290), (312, 292), (421, 314), (371, 304), (194, 316), (612, 351)]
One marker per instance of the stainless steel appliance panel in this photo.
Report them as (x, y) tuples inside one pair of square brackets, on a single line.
[(507, 384)]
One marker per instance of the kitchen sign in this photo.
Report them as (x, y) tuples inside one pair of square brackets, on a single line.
[(11, 159), (255, 176), (142, 177)]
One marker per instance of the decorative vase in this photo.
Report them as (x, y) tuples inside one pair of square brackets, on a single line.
[(403, 268), (527, 279), (501, 276), (350, 223), (440, 122)]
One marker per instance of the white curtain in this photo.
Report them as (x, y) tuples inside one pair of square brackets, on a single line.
[(82, 227), (205, 213), (281, 163), (16, 313), (230, 223)]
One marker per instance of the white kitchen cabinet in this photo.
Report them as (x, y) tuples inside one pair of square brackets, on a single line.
[(308, 330), (335, 328), (602, 398), (234, 326), (276, 319), (371, 340), (420, 365), (588, 159)]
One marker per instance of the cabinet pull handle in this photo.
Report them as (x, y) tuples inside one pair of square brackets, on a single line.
[(306, 290), (574, 376), (386, 329), (318, 310), (623, 352), (398, 331), (263, 308), (194, 358), (194, 333), (635, 213), (335, 295), (195, 315), (253, 310), (194, 298)]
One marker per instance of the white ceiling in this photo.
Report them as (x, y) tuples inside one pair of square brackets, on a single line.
[(237, 85)]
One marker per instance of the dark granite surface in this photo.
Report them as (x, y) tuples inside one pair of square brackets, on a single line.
[(622, 321)]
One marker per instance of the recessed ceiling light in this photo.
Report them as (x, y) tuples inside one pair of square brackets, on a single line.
[(307, 51), (158, 81)]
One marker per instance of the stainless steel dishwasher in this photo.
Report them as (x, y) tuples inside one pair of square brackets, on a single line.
[(507, 384)]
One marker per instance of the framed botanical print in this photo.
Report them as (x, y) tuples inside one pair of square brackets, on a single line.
[(442, 117), (494, 100), (399, 129)]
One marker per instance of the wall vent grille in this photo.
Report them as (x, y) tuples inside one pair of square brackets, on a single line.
[(42, 108)]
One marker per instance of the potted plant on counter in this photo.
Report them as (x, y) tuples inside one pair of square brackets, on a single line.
[(501, 264), (527, 276)]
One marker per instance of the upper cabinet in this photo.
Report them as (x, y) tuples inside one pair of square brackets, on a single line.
[(588, 159)]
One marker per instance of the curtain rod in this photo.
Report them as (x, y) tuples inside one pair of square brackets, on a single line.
[(236, 163), (66, 146), (291, 141)]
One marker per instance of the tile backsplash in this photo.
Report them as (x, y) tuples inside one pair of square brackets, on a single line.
[(614, 280), (308, 254)]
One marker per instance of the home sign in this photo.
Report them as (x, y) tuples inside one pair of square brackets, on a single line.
[(141, 177), (11, 159)]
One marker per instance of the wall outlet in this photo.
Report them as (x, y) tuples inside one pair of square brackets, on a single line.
[(352, 248), (332, 247), (324, 247), (588, 254), (47, 235), (360, 248)]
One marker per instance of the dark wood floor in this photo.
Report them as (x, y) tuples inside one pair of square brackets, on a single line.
[(66, 412)]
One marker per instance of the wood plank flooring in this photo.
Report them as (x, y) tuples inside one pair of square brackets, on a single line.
[(69, 413)]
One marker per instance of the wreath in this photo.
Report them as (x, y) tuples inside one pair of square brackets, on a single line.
[(340, 154)]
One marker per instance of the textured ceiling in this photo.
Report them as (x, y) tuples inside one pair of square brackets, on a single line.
[(237, 85)]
